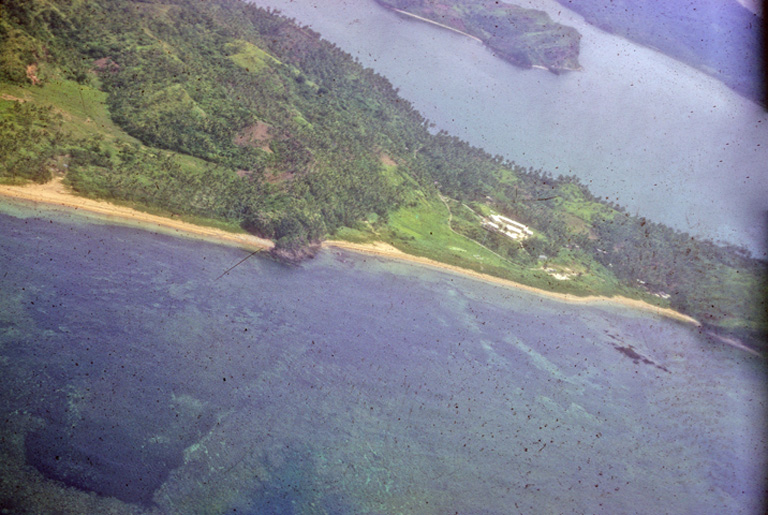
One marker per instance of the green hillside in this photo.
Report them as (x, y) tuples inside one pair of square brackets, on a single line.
[(235, 115)]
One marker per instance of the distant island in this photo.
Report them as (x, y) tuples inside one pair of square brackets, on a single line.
[(527, 38), (722, 38)]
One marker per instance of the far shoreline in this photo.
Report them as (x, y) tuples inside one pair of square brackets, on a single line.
[(387, 251), (55, 193), (470, 36)]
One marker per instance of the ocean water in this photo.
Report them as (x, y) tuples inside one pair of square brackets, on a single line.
[(135, 381), (655, 135)]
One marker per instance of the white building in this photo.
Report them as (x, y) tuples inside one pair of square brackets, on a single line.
[(507, 227)]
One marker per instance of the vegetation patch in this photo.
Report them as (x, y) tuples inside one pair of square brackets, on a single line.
[(249, 56), (257, 135)]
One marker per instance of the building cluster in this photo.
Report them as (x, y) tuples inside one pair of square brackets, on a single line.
[(507, 227)]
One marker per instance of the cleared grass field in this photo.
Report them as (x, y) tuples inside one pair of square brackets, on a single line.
[(84, 114), (423, 230), (83, 107), (249, 56)]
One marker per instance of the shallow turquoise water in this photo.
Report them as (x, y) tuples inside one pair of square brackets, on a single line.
[(349, 384)]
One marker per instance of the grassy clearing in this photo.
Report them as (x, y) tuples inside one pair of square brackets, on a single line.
[(572, 201), (249, 56), (391, 175), (84, 112), (587, 211), (422, 229), (83, 107), (356, 235)]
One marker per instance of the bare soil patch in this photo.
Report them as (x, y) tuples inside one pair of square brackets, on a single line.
[(257, 135)]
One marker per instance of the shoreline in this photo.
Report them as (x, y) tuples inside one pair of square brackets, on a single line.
[(55, 193), (387, 251), (439, 25), (501, 55)]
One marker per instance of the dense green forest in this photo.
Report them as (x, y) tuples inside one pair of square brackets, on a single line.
[(523, 37), (236, 115)]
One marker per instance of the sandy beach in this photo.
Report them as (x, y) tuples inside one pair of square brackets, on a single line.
[(390, 252), (57, 194)]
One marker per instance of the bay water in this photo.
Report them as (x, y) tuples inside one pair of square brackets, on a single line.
[(135, 380)]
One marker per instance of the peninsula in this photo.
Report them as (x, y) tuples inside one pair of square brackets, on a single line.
[(527, 38)]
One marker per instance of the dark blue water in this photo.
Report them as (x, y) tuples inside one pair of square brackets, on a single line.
[(135, 381)]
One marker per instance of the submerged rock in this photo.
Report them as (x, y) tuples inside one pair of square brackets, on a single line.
[(293, 255)]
